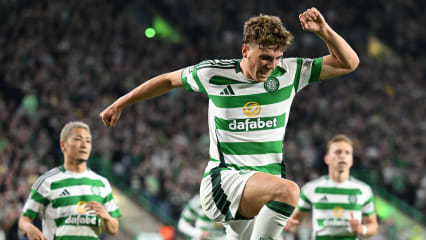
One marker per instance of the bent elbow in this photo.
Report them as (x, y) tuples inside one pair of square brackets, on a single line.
[(113, 232), (355, 64)]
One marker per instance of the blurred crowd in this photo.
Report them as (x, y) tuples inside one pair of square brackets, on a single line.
[(67, 60)]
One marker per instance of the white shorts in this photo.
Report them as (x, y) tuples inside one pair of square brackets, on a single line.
[(221, 191)]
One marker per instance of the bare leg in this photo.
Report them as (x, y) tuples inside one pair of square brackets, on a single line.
[(262, 188)]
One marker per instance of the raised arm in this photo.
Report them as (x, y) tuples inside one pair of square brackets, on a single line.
[(342, 58), (154, 87)]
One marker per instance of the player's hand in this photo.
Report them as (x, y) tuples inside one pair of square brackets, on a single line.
[(355, 224), (204, 235), (35, 234), (110, 115), (98, 209), (291, 225), (312, 20)]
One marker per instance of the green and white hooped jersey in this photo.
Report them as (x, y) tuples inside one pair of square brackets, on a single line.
[(197, 222), (60, 197), (247, 119), (332, 203)]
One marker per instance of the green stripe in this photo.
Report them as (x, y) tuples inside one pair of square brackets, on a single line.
[(297, 75), (219, 197), (116, 213), (189, 220), (68, 201), (280, 208), (304, 209), (204, 218), (76, 182), (218, 80), (247, 148), (328, 237), (39, 198), (369, 201), (185, 82), (108, 198), (261, 98), (252, 124), (192, 210), (368, 213), (278, 71), (303, 196), (30, 213), (197, 80), (75, 238), (61, 221), (334, 190), (346, 206), (316, 70)]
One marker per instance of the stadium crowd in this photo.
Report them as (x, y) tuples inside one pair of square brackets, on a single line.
[(66, 60)]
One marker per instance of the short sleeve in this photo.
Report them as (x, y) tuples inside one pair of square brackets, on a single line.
[(38, 199)]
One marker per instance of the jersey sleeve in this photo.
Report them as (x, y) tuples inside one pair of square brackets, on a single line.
[(38, 199), (191, 80), (368, 207), (187, 219), (110, 204), (305, 71), (304, 204)]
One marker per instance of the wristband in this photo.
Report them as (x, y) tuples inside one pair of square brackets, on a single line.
[(364, 230)]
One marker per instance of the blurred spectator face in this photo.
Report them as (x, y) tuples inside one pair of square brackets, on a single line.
[(339, 157), (260, 61), (78, 145)]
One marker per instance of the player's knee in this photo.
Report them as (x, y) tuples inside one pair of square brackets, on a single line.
[(287, 192)]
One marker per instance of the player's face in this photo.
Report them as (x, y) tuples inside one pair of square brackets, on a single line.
[(340, 156), (260, 61), (78, 145)]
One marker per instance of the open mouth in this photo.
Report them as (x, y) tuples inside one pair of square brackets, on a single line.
[(265, 72)]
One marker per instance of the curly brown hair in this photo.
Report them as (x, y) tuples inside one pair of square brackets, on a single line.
[(266, 31)]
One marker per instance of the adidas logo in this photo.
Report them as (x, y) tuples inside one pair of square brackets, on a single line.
[(227, 91), (324, 199), (65, 193)]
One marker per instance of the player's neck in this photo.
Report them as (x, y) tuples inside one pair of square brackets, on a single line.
[(338, 176), (244, 69), (74, 165)]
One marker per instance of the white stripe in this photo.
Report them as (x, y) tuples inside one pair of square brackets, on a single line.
[(76, 231), (45, 176), (305, 73), (252, 136), (33, 206), (254, 160), (302, 203), (269, 110), (110, 206)]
